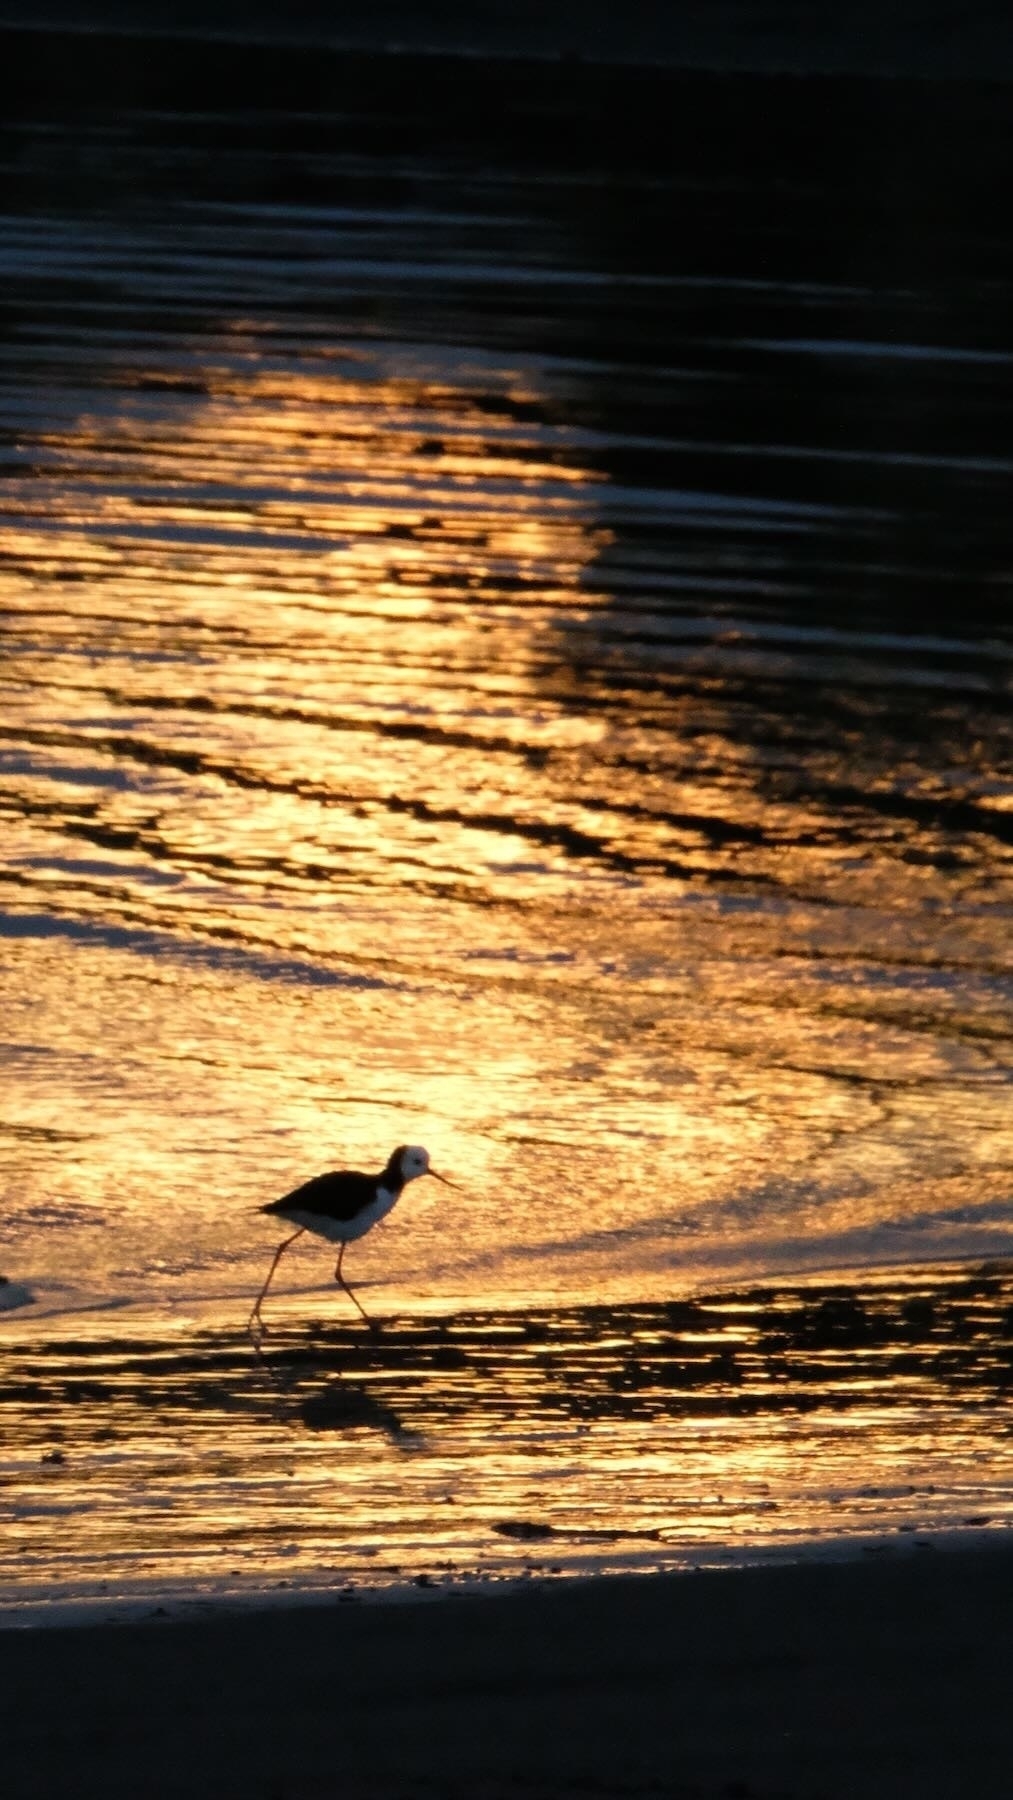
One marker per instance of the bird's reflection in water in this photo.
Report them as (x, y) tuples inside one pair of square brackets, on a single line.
[(309, 1373), (347, 1406), (337, 1404)]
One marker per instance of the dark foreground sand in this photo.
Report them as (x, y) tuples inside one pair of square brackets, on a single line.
[(875, 1680)]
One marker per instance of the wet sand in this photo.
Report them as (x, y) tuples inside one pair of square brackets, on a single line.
[(877, 1678)]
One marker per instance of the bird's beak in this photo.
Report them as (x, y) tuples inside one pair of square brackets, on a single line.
[(446, 1183)]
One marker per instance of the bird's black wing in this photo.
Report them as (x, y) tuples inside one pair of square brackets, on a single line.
[(339, 1195)]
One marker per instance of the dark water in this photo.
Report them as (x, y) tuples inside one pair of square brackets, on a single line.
[(506, 588)]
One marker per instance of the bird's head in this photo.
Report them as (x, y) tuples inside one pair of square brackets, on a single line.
[(410, 1161)]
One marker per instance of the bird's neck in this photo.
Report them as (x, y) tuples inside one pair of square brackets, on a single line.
[(392, 1180)]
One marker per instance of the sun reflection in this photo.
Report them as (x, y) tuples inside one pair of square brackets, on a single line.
[(680, 1441), (387, 754), (401, 589)]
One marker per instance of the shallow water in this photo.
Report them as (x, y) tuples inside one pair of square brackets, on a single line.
[(506, 646), (175, 1466)]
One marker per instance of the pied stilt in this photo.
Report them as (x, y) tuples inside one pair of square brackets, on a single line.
[(342, 1206)]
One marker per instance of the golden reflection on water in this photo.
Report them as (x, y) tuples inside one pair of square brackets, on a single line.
[(410, 742), (468, 1448), (348, 672), (369, 813)]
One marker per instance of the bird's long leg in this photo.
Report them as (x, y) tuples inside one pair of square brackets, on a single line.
[(255, 1314), (340, 1278)]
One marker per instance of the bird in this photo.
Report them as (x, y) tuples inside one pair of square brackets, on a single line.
[(342, 1206)]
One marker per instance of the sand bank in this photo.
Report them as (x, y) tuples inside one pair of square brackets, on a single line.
[(883, 1678)]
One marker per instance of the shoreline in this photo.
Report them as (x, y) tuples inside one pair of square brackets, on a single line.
[(185, 1605), (818, 1682), (38, 1303)]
